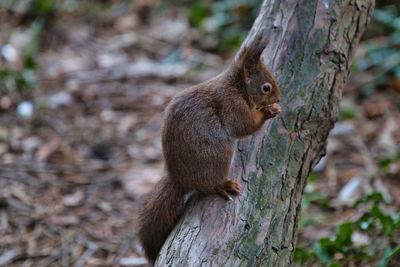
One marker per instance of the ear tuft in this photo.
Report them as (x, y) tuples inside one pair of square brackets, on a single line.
[(250, 53)]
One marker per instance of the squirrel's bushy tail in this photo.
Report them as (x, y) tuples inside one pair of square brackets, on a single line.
[(158, 215)]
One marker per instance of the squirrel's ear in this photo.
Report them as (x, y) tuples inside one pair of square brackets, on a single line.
[(250, 52), (246, 74)]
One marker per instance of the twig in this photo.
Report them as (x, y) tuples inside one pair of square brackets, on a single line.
[(8, 256), (92, 247)]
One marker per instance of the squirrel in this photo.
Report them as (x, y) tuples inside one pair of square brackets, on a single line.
[(199, 128)]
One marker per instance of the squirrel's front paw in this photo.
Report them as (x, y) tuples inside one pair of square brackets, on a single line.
[(272, 110)]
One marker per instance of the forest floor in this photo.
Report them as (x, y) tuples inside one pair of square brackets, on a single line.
[(73, 168)]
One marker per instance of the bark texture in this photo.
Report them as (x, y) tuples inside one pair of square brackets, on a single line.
[(310, 50)]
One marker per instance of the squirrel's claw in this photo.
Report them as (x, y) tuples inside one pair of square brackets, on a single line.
[(228, 187)]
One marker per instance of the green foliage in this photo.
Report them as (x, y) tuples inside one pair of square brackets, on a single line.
[(198, 12), (381, 55), (374, 197), (375, 221), (47, 9), (386, 161), (388, 16), (317, 198), (310, 197), (347, 113), (302, 256), (376, 217), (227, 21), (19, 80), (42, 7), (388, 254), (24, 78), (326, 248), (313, 197)]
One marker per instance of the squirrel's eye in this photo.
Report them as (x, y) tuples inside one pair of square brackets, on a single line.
[(266, 88)]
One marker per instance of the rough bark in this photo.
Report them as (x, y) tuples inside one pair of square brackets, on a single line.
[(310, 50)]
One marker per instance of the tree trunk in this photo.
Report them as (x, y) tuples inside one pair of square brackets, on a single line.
[(310, 50)]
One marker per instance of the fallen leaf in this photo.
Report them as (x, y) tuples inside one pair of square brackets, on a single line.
[(74, 199), (5, 102), (133, 261), (63, 219), (8, 256), (140, 179), (351, 191), (395, 84), (46, 150)]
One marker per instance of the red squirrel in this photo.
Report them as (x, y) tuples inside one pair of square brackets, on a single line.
[(198, 133)]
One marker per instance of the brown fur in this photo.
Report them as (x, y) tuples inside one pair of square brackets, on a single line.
[(198, 134)]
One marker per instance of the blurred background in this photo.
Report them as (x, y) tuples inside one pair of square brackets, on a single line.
[(82, 88)]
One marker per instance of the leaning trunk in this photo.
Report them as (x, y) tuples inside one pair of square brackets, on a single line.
[(310, 50)]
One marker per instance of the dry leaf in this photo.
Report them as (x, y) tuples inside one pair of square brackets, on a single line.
[(74, 199), (63, 219)]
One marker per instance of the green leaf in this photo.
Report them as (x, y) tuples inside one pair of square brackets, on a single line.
[(386, 221), (301, 256), (395, 252), (5, 74), (385, 162), (398, 155), (345, 230), (42, 7), (320, 250), (375, 197), (347, 113), (198, 12), (335, 264), (312, 177), (388, 254), (365, 221), (30, 63)]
